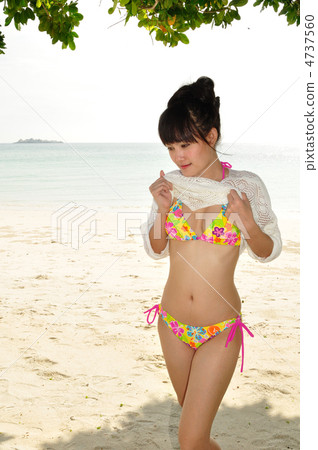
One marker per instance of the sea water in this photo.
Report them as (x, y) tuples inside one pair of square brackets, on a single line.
[(107, 176)]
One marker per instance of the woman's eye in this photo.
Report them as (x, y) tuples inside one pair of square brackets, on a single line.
[(185, 145)]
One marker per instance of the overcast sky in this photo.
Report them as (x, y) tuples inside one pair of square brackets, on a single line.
[(116, 83)]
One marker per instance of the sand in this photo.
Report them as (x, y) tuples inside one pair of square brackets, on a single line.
[(81, 369)]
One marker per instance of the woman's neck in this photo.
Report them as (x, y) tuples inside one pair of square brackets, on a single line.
[(214, 170)]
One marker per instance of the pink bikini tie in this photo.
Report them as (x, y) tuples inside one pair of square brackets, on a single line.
[(225, 164), (241, 325), (156, 308)]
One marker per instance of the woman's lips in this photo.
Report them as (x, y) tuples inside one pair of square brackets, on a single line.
[(185, 166)]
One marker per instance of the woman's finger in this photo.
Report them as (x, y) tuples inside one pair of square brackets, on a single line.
[(234, 194), (170, 185)]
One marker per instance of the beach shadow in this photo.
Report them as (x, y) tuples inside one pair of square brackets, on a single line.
[(155, 426), (5, 437), (256, 427)]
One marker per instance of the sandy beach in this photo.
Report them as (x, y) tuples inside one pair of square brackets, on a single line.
[(81, 368)]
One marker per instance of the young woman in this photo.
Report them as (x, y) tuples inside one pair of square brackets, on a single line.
[(203, 215)]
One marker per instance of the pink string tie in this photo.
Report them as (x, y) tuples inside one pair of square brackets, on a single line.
[(156, 309), (234, 326), (225, 164)]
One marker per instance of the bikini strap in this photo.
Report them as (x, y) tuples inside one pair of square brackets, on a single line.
[(224, 207), (225, 164)]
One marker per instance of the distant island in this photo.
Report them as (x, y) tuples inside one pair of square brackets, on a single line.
[(36, 141)]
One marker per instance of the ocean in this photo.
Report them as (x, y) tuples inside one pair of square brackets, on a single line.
[(105, 176)]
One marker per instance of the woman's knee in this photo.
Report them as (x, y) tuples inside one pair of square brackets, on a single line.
[(190, 439)]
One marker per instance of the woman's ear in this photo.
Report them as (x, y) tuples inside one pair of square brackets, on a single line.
[(212, 137)]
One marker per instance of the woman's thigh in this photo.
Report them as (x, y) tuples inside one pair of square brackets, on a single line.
[(178, 357), (211, 371)]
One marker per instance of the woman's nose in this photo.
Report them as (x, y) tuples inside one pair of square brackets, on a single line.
[(180, 153)]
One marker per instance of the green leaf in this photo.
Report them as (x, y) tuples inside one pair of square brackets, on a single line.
[(8, 20), (24, 16), (72, 45), (127, 17), (183, 38), (72, 8), (43, 26), (238, 2), (113, 8), (227, 17), (218, 18), (30, 13), (134, 8), (284, 10), (38, 3), (159, 35), (275, 5), (258, 2), (291, 17), (17, 17), (235, 15), (78, 16)]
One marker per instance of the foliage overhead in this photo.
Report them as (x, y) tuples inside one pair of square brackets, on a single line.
[(57, 17), (168, 19)]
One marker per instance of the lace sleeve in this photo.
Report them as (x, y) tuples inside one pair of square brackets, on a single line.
[(145, 228), (264, 217)]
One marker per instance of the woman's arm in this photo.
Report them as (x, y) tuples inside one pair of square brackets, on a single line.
[(157, 233), (147, 228), (259, 242), (153, 231)]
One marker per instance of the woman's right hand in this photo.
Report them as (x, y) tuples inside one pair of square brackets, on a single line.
[(161, 192)]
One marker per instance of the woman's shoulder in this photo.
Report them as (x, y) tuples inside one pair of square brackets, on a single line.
[(245, 176), (249, 182)]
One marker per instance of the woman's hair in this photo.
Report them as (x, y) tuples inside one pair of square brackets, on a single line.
[(191, 113)]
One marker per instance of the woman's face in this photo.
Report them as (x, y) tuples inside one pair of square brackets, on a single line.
[(191, 158)]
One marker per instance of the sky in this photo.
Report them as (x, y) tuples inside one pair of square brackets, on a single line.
[(117, 82)]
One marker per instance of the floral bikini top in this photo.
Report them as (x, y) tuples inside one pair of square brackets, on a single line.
[(220, 230)]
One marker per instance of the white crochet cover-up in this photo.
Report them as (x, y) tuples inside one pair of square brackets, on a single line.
[(200, 192)]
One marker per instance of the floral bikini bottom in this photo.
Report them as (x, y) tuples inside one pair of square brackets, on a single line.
[(196, 336)]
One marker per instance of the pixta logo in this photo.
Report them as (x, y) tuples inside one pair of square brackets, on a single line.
[(123, 225), (67, 224)]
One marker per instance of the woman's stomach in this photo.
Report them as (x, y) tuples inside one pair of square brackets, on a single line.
[(200, 289)]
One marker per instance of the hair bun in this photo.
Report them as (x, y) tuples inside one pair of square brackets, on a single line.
[(204, 88)]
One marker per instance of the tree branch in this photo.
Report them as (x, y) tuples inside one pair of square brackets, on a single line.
[(151, 7)]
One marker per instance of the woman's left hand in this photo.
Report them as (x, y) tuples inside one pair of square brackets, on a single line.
[(240, 208)]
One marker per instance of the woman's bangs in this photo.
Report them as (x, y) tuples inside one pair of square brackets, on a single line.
[(175, 125)]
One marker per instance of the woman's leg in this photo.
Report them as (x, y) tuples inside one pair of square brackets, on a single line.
[(211, 371), (178, 357)]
